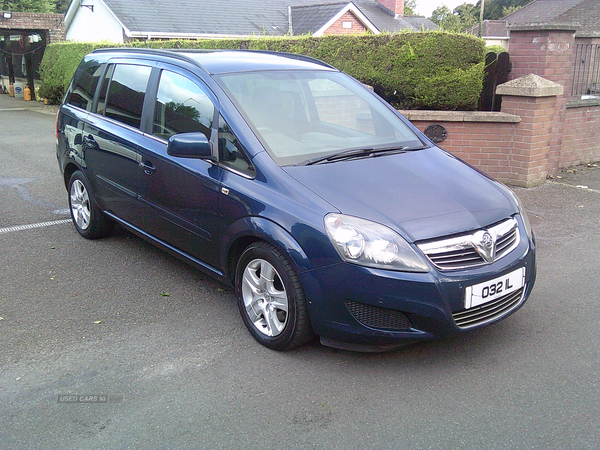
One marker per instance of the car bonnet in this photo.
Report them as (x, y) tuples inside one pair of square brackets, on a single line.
[(422, 194)]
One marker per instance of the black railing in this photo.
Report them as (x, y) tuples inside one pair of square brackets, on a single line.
[(586, 73)]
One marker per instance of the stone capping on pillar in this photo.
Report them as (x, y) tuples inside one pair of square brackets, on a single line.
[(583, 102), (460, 116), (530, 86)]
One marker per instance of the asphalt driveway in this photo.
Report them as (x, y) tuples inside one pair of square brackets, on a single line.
[(162, 357)]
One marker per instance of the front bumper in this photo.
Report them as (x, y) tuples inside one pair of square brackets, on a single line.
[(361, 307)]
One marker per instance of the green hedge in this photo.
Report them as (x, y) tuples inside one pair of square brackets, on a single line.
[(413, 70)]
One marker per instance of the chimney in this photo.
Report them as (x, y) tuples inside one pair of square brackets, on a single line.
[(395, 7)]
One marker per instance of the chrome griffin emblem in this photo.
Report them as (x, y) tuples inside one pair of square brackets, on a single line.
[(485, 244)]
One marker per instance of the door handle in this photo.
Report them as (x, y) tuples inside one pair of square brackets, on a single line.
[(89, 142), (148, 167)]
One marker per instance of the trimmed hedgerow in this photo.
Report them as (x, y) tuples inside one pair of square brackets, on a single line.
[(58, 66), (413, 70)]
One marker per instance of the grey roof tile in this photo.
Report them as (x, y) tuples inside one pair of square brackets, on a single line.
[(541, 11), (246, 17), (421, 23), (584, 13), (311, 18)]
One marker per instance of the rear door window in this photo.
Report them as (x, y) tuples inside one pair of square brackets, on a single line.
[(124, 99)]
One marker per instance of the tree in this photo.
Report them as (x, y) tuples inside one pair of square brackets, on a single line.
[(61, 6), (496, 9), (41, 6), (462, 18), (409, 7)]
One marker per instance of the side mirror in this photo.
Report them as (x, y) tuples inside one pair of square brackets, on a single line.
[(190, 145)]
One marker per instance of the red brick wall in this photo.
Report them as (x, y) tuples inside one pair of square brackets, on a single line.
[(534, 137), (581, 136), (485, 145), (338, 28), (52, 24), (550, 55)]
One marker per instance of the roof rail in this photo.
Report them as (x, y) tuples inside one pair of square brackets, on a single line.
[(171, 53), (297, 56), (179, 53)]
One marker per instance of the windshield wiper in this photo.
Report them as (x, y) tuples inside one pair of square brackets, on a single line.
[(353, 153)]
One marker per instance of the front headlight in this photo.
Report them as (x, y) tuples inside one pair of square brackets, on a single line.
[(371, 244)]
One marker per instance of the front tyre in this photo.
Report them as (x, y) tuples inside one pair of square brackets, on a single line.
[(87, 217), (271, 299)]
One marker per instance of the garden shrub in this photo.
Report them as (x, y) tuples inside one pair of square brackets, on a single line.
[(411, 70)]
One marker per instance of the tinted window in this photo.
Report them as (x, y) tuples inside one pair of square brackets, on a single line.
[(181, 107), (83, 91), (100, 108), (126, 92)]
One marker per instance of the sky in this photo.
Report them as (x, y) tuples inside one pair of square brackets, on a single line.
[(426, 7)]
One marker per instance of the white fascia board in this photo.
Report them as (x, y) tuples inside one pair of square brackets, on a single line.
[(353, 9), (164, 35), (70, 14)]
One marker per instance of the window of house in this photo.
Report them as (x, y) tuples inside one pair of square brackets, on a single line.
[(181, 107)]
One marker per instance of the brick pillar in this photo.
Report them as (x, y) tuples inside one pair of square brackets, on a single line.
[(549, 52), (536, 101)]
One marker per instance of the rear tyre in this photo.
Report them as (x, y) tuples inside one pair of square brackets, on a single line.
[(89, 221), (270, 298)]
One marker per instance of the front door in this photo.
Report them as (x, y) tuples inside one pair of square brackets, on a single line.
[(179, 197)]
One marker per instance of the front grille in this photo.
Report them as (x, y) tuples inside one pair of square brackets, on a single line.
[(378, 317), (506, 242), (462, 252), (489, 311), (456, 259)]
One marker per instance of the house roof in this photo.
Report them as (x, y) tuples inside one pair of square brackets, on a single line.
[(316, 18), (384, 20), (197, 18), (583, 14)]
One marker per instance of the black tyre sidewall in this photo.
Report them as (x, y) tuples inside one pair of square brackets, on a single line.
[(100, 226), (294, 333)]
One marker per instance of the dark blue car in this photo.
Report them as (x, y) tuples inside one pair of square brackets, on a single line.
[(327, 211)]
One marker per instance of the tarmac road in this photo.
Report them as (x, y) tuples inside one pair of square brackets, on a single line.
[(120, 318)]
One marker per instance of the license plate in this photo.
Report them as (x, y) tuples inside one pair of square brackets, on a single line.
[(488, 291)]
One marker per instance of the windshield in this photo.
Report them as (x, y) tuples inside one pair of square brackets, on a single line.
[(303, 115)]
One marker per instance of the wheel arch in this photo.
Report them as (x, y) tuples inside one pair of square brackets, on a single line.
[(244, 232), (68, 172)]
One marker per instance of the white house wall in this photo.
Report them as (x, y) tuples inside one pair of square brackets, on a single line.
[(99, 25)]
